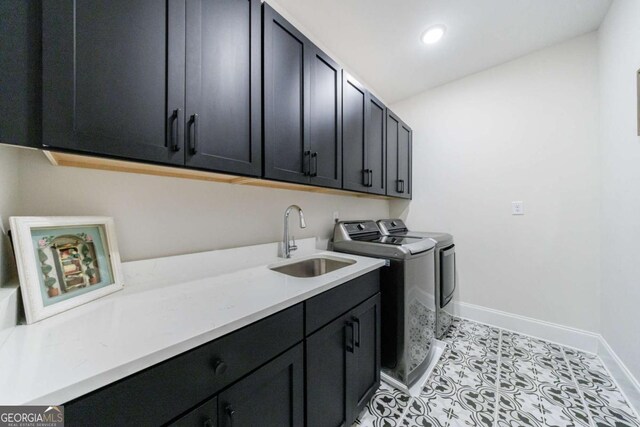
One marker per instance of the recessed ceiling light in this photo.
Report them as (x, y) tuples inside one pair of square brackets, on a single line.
[(433, 34)]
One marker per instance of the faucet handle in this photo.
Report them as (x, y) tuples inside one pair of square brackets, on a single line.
[(293, 246)]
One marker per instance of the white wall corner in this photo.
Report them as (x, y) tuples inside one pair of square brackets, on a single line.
[(563, 335), (629, 385), (553, 332)]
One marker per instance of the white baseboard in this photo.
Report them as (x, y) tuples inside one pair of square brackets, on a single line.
[(563, 335), (626, 381)]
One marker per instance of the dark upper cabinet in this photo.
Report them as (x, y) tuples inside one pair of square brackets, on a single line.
[(354, 112), (399, 147), (133, 80), (364, 140), (272, 396), (376, 145), (224, 86), (405, 145), (302, 107), (220, 85), (325, 120), (113, 77), (286, 100), (20, 78)]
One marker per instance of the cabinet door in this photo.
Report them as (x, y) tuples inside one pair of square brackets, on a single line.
[(271, 396), (113, 77), (325, 128), (20, 77), (404, 160), (393, 126), (376, 144), (329, 360), (364, 379), (224, 86), (354, 101), (205, 415), (286, 100)]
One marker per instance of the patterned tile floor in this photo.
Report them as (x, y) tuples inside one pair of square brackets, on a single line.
[(496, 378)]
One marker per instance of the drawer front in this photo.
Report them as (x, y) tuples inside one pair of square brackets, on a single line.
[(155, 395), (205, 415), (325, 307)]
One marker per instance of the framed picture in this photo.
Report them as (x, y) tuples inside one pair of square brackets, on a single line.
[(64, 262)]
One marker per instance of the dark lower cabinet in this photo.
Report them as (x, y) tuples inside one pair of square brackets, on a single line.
[(161, 393), (327, 361), (224, 86), (364, 377), (315, 364), (273, 396), (205, 415), (343, 366), (399, 156)]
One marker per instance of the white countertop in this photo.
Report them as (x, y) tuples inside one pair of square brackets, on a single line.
[(168, 306)]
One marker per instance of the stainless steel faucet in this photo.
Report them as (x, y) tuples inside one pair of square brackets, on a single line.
[(286, 247)]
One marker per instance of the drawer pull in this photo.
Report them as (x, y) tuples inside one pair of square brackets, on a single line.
[(219, 367)]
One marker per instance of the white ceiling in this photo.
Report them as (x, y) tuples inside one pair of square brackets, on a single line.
[(379, 40)]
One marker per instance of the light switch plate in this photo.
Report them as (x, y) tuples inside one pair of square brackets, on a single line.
[(517, 208)]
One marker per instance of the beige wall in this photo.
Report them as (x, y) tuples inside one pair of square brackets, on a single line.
[(619, 62), (9, 193), (525, 130), (157, 216)]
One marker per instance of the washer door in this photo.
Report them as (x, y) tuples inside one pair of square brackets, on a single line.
[(447, 274)]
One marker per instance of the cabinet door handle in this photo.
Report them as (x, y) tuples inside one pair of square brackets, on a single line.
[(365, 177), (230, 413), (174, 128), (400, 186), (193, 141), (306, 163), (350, 343), (370, 177), (314, 162), (356, 321)]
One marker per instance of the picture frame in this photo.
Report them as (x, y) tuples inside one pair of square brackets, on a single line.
[(64, 262)]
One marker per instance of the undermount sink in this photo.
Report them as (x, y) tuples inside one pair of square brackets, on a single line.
[(313, 267)]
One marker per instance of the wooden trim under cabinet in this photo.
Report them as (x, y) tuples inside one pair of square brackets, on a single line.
[(101, 163)]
